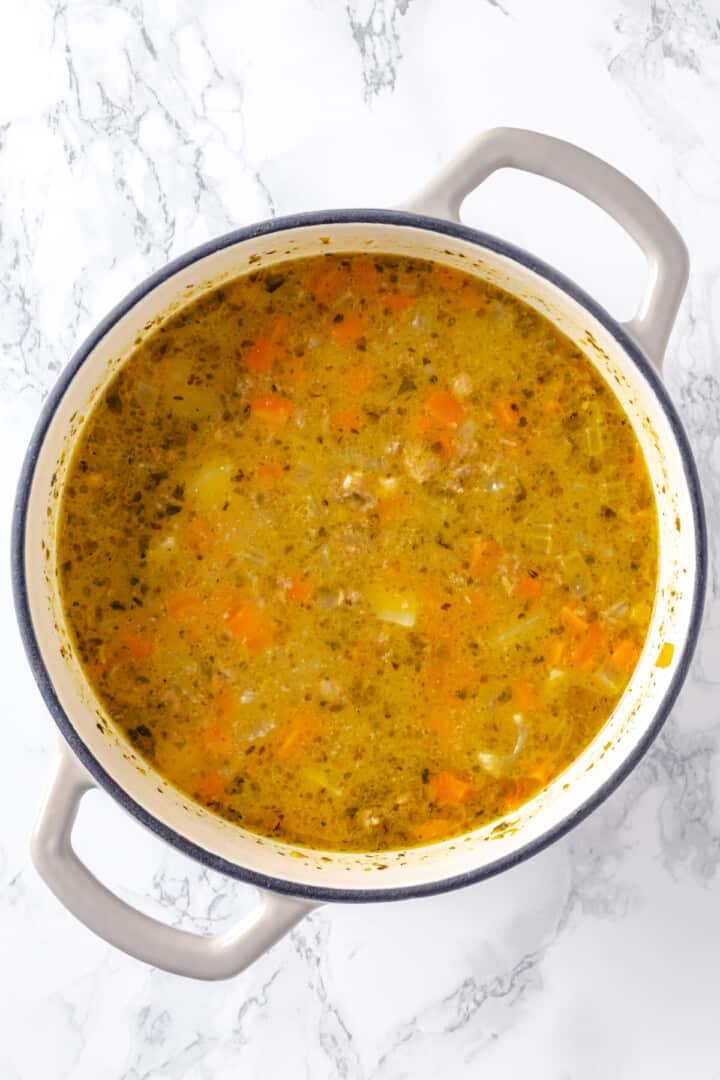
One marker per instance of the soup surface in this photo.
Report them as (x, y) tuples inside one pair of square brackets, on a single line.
[(359, 552)]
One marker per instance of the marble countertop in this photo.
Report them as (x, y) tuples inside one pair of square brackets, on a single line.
[(131, 131)]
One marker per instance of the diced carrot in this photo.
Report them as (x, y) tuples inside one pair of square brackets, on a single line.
[(625, 655), (252, 627), (397, 301), (327, 280), (347, 420), (299, 590), (139, 647), (507, 414), (200, 535), (302, 727), (211, 787), (529, 586), (184, 607), (262, 356), (271, 408), (217, 739), (484, 558), (358, 378), (574, 620), (449, 787), (434, 829), (392, 507), (268, 474), (443, 722), (431, 431), (349, 329), (444, 408), (666, 655), (524, 696), (555, 651), (586, 653)]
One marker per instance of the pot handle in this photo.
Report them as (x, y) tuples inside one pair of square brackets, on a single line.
[(177, 951), (530, 151)]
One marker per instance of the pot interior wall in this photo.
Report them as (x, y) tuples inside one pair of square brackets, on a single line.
[(625, 729)]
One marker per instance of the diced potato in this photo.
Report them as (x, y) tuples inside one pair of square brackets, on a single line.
[(393, 606), (212, 485), (319, 778)]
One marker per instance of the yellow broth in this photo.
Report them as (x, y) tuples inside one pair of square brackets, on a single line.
[(359, 552)]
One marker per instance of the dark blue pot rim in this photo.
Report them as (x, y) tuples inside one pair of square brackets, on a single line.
[(280, 885)]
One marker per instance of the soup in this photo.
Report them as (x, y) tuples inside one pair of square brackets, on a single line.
[(358, 551)]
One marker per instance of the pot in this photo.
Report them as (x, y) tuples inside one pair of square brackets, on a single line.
[(291, 881)]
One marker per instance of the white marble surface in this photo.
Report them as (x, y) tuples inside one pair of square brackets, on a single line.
[(130, 131)]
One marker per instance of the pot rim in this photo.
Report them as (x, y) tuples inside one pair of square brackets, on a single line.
[(92, 764)]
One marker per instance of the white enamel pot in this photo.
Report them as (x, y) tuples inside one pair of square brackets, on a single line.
[(291, 881)]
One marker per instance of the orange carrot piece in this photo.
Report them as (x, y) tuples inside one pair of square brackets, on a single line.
[(434, 829), (484, 558), (299, 590), (625, 655), (449, 787), (445, 408), (574, 620), (271, 408), (347, 420), (397, 301), (139, 647), (211, 787), (252, 627), (525, 696), (507, 415), (431, 432), (587, 651), (349, 329), (529, 586), (262, 356), (443, 722), (302, 728), (327, 281)]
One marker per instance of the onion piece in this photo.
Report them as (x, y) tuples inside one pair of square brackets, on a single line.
[(496, 764)]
